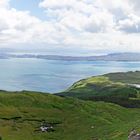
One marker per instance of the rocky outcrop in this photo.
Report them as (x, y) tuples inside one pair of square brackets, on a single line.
[(134, 135)]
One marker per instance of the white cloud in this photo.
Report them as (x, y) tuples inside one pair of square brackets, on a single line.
[(88, 19), (4, 3), (89, 16), (131, 24), (98, 24), (19, 27), (79, 15)]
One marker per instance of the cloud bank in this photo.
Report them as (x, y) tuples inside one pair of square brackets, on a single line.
[(98, 24)]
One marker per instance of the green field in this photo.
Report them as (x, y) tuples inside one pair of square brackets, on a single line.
[(22, 113)]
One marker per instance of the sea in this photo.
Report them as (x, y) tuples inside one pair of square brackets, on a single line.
[(53, 76)]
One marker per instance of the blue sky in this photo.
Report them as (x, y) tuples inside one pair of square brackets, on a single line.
[(29, 5), (91, 26)]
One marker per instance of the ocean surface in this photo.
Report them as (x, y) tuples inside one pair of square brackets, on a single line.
[(51, 75)]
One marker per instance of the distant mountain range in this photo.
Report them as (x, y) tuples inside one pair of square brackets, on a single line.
[(108, 57)]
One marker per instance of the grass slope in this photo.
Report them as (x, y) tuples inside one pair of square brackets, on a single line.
[(22, 113), (112, 87), (125, 77)]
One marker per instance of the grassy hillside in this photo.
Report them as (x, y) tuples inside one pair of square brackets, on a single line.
[(125, 77), (114, 87), (21, 115)]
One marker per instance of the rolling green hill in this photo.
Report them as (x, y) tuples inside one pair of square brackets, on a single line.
[(22, 114), (114, 87)]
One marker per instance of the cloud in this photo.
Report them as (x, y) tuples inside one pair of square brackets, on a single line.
[(78, 15), (21, 27), (93, 16), (130, 25), (98, 24), (4, 3)]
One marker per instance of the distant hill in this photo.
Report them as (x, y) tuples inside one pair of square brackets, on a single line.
[(120, 57), (109, 57), (119, 88)]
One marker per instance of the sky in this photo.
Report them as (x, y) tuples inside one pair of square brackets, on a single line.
[(70, 27)]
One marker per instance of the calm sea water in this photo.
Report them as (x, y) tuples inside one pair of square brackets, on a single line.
[(53, 76)]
